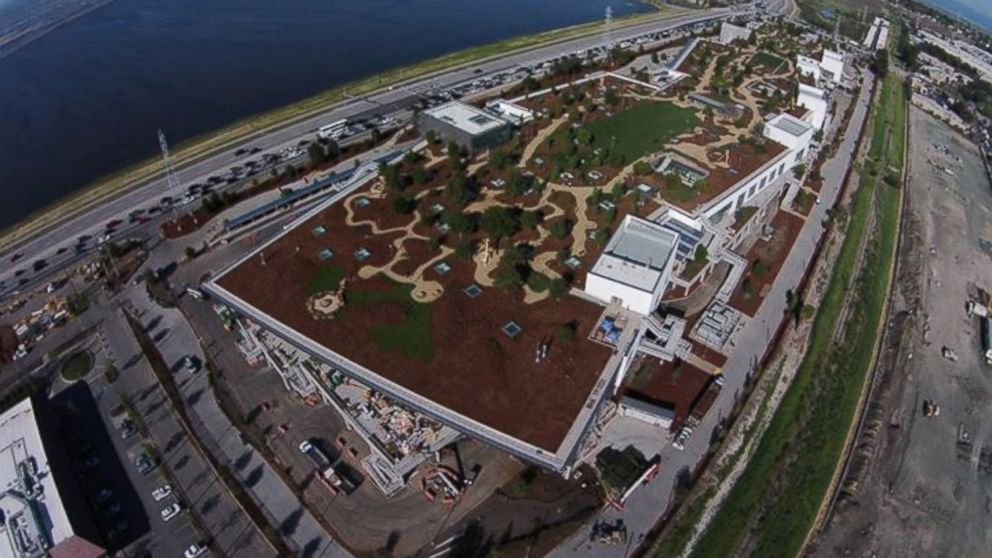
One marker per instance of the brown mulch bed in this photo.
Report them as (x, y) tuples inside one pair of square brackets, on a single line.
[(476, 370), (749, 293)]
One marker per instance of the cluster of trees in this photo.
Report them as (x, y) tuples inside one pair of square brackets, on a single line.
[(514, 271), (323, 151)]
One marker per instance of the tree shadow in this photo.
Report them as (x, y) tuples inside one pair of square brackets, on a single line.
[(289, 525)]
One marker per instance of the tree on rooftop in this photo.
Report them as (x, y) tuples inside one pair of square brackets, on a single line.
[(499, 222), (498, 158), (558, 288), (454, 151), (529, 219), (431, 137), (617, 191), (419, 175), (561, 228), (702, 254), (457, 189), (459, 221), (404, 205), (465, 249), (798, 171), (643, 168), (672, 180)]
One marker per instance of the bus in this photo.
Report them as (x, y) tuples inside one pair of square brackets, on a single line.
[(334, 130)]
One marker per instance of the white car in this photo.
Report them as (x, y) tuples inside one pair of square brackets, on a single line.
[(103, 238), (171, 511), (194, 550), (161, 493)]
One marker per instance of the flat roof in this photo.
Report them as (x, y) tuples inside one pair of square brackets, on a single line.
[(637, 254), (790, 125), (32, 510), (475, 378), (642, 242), (466, 117)]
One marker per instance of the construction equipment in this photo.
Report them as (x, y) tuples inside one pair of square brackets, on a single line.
[(930, 409), (949, 353), (609, 533)]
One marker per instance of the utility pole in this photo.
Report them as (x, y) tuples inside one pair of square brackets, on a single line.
[(170, 174)]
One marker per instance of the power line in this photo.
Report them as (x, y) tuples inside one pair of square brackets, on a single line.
[(170, 174)]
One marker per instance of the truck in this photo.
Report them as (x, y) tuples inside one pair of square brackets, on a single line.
[(334, 130), (318, 457)]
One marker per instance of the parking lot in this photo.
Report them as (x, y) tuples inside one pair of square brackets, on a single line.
[(193, 482)]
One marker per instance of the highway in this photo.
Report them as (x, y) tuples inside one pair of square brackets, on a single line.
[(55, 246)]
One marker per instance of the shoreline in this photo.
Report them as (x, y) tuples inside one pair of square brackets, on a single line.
[(210, 143)]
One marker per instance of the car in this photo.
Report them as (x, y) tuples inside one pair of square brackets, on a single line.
[(240, 151), (144, 465), (162, 492), (170, 512), (19, 272), (91, 462), (194, 550), (128, 429), (16, 256), (61, 250), (113, 223), (38, 265), (254, 149), (103, 239), (104, 495), (189, 364), (165, 201)]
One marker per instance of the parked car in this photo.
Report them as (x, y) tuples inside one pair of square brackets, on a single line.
[(104, 495), (170, 512), (144, 465), (128, 429), (194, 550), (161, 493), (189, 365)]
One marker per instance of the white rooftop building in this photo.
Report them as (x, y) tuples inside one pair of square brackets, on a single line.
[(470, 127), (730, 33), (832, 66), (791, 132), (634, 269), (814, 99), (808, 66), (510, 112), (34, 516), (644, 411)]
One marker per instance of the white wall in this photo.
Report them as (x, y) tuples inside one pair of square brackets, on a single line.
[(808, 67), (633, 299), (833, 62), (815, 100)]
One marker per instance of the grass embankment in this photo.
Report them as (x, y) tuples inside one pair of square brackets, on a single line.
[(208, 144), (775, 502)]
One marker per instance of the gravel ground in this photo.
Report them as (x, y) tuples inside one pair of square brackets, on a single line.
[(912, 489)]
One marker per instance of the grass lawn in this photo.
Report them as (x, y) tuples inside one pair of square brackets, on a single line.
[(327, 278), (78, 366), (767, 59), (776, 500), (412, 336), (641, 130)]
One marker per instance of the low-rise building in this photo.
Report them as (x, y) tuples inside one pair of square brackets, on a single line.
[(471, 128), (634, 269), (730, 33), (814, 99)]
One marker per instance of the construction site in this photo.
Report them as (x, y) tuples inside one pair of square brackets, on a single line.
[(919, 482)]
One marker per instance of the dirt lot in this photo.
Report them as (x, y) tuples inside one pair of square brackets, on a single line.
[(911, 489)]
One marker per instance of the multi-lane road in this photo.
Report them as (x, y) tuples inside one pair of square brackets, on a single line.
[(55, 246)]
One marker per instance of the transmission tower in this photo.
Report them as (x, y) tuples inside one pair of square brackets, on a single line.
[(607, 24), (170, 174)]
